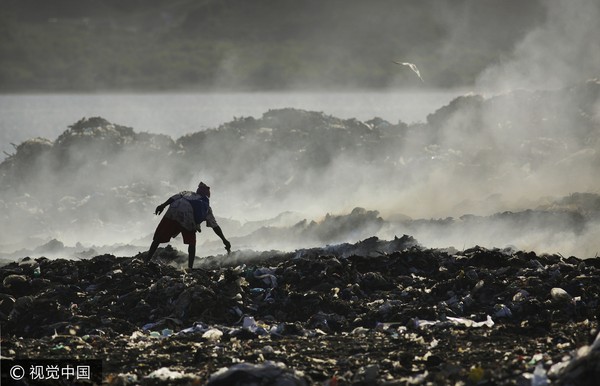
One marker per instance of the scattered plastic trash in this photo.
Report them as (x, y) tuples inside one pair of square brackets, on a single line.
[(212, 334), (455, 320), (250, 324), (502, 311), (150, 326), (539, 376), (165, 374), (265, 275), (257, 291), (520, 296), (559, 295), (488, 322), (197, 327), (136, 335)]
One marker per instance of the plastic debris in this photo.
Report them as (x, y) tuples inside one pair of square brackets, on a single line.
[(539, 376), (559, 295), (212, 334), (502, 311), (165, 374)]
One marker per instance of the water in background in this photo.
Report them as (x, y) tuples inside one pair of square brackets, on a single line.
[(24, 116)]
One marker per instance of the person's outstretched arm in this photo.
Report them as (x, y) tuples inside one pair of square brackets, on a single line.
[(219, 233), (162, 206)]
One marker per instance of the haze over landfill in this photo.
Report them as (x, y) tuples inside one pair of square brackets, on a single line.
[(525, 141), (409, 188)]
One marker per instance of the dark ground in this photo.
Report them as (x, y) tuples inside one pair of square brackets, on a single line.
[(376, 312)]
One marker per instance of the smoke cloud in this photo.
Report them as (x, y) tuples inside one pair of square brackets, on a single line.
[(563, 50), (515, 167)]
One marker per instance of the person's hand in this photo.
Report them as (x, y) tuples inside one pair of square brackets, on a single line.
[(159, 209), (227, 246)]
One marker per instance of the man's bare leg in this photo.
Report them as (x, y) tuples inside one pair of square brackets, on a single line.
[(152, 250), (192, 255)]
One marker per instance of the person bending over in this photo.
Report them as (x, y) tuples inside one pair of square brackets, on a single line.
[(187, 210)]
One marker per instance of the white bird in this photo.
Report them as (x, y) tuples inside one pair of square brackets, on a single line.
[(412, 67)]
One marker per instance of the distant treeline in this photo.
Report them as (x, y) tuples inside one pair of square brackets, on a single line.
[(84, 45)]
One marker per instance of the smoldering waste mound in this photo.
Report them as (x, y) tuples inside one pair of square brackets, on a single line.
[(374, 312), (479, 155)]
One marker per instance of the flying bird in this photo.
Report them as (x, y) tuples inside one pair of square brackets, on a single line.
[(412, 67)]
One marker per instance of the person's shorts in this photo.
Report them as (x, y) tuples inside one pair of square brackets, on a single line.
[(168, 228)]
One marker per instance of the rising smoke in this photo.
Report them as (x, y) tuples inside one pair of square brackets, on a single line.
[(563, 50), (288, 179)]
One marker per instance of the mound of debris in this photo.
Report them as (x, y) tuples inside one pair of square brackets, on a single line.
[(107, 177), (374, 312)]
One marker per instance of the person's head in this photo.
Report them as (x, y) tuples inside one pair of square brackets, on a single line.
[(203, 189)]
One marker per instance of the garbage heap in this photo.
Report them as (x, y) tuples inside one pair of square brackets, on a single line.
[(374, 312)]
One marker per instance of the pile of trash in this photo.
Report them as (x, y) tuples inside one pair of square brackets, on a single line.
[(489, 155), (375, 312)]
